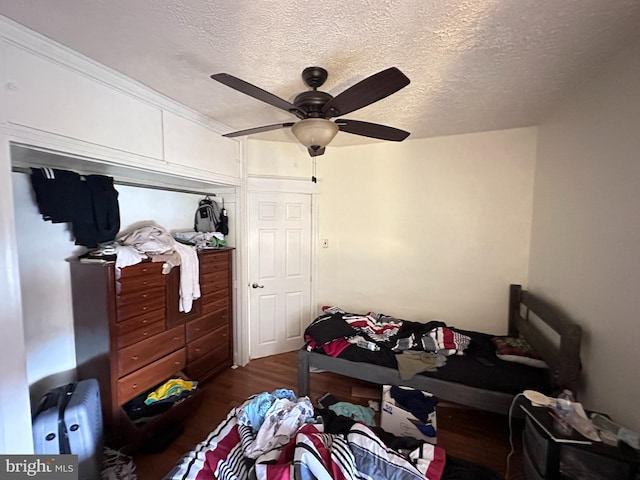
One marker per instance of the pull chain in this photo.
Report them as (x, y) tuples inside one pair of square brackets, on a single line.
[(313, 176)]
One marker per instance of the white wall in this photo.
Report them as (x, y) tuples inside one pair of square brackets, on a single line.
[(14, 395), (424, 229), (585, 247), (278, 159), (44, 272)]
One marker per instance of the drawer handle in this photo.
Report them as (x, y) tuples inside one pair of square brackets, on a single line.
[(197, 329), (144, 334), (224, 334), (144, 308), (134, 357), (145, 282), (177, 362), (176, 338), (197, 349), (134, 386), (144, 322), (145, 295)]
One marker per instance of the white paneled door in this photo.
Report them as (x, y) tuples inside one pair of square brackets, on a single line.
[(279, 271)]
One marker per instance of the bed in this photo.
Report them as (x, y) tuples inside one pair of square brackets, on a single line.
[(478, 378)]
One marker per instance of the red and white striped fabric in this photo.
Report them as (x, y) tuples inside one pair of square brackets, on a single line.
[(310, 453)]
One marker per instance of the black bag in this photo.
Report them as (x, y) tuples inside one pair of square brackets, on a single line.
[(207, 216), (223, 225)]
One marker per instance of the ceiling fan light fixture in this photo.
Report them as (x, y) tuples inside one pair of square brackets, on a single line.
[(315, 132)]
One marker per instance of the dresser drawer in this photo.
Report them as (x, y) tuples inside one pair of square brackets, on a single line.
[(581, 463), (210, 282), (211, 297), (213, 262), (209, 363), (151, 375), (537, 445), (145, 295), (530, 471), (215, 305), (131, 310), (140, 321), (140, 354), (141, 283), (145, 331), (197, 328), (206, 343), (128, 275)]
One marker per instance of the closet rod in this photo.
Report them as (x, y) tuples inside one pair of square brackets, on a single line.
[(27, 170)]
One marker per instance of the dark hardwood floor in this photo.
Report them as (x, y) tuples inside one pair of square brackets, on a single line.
[(464, 433)]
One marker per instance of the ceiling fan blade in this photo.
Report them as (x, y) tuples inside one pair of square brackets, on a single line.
[(373, 130), (370, 90), (251, 131), (315, 153), (257, 93)]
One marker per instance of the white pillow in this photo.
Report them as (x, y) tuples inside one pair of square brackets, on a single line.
[(532, 362)]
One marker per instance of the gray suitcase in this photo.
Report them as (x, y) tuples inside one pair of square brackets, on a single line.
[(68, 420)]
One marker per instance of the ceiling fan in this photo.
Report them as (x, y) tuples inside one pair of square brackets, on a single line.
[(314, 108)]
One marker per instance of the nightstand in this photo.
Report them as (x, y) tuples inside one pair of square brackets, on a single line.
[(547, 459)]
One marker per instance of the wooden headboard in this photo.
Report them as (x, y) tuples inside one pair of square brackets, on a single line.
[(562, 353)]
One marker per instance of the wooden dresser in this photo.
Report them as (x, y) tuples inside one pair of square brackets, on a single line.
[(131, 337)]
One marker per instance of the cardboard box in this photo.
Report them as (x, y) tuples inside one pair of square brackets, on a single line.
[(395, 419)]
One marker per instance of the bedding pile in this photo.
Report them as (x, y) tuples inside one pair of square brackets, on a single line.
[(275, 436), (336, 330), (433, 348)]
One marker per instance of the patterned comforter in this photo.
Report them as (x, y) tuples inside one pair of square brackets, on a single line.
[(309, 454)]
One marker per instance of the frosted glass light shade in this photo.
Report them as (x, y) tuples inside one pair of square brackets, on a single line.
[(312, 132)]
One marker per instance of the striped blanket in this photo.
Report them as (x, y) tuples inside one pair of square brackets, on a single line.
[(310, 454)]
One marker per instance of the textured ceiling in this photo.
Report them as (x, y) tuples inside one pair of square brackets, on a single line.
[(474, 65)]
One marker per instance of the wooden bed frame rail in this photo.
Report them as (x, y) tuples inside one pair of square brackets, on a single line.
[(474, 397), (563, 358), (526, 313)]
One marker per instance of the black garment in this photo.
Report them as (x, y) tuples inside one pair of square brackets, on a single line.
[(414, 401), (329, 327), (384, 357), (55, 192), (89, 203), (98, 216), (223, 224), (418, 329)]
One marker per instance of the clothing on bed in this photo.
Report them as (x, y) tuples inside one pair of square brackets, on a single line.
[(359, 413), (444, 341), (281, 423), (255, 410), (385, 331), (310, 453), (462, 349), (381, 329), (412, 363), (338, 448)]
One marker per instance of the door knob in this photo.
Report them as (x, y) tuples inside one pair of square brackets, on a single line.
[(255, 285)]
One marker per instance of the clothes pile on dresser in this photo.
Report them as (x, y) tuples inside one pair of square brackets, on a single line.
[(201, 240), (150, 240)]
